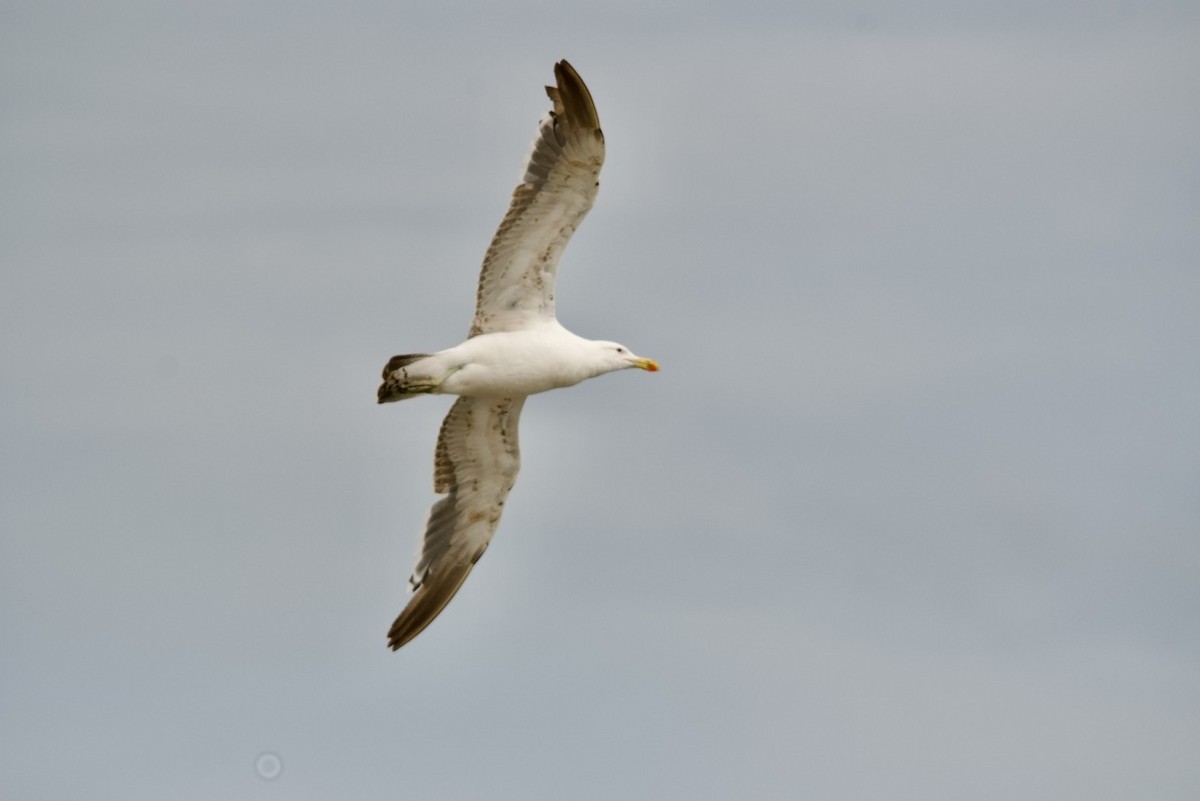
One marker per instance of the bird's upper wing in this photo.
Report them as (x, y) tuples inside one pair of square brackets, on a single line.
[(475, 466), (516, 284)]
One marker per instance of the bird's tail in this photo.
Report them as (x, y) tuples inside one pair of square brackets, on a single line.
[(397, 385)]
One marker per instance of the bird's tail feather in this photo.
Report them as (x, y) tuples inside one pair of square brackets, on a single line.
[(396, 385)]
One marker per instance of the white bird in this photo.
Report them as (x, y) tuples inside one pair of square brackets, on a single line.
[(516, 347)]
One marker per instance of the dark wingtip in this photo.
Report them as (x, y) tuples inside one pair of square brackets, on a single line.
[(426, 603), (576, 98)]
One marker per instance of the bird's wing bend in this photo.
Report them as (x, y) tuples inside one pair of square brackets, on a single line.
[(516, 284), (475, 465)]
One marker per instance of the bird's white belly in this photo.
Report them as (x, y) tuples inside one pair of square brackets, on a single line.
[(510, 363)]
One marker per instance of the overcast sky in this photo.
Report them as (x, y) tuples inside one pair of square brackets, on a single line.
[(910, 512)]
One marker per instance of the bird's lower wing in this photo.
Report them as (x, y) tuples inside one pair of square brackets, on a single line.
[(475, 466)]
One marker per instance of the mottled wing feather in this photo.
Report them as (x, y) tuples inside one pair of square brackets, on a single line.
[(516, 284), (475, 466)]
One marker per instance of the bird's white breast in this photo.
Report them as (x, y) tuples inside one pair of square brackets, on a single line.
[(514, 363)]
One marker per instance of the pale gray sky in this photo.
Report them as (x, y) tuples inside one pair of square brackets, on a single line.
[(911, 511)]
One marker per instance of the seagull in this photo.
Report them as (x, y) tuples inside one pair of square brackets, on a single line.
[(516, 347)]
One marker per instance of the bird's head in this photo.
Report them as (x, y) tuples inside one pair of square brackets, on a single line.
[(614, 356)]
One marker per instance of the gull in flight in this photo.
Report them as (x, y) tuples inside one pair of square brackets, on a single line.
[(516, 347)]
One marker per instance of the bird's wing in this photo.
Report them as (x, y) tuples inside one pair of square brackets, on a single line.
[(475, 465), (516, 284)]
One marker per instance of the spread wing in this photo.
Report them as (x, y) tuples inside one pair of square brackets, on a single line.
[(516, 284), (475, 466)]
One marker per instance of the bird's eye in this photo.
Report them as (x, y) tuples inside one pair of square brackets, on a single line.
[(620, 350)]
